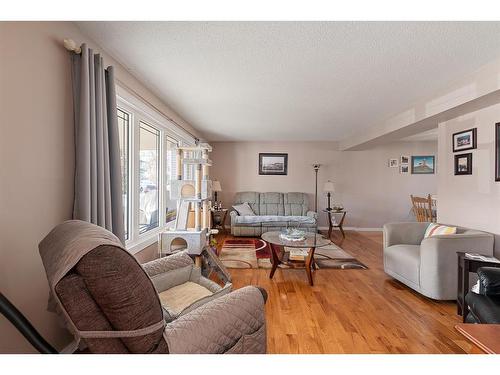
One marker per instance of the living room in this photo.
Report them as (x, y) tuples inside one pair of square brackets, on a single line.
[(323, 187)]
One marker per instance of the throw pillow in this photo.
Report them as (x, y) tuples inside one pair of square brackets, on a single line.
[(244, 209), (438, 229)]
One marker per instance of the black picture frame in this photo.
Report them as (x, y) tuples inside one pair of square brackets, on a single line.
[(421, 169), (473, 146), (267, 169), (497, 151), (458, 170)]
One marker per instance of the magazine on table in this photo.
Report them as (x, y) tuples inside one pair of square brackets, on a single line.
[(482, 258)]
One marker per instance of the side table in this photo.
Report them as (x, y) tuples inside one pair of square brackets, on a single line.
[(465, 266), (338, 224), (218, 219)]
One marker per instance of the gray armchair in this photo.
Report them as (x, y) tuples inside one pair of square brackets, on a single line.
[(429, 265)]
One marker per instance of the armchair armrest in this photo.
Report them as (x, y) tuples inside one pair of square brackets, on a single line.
[(438, 260), (312, 214), (404, 233), (169, 263), (218, 325), (489, 281)]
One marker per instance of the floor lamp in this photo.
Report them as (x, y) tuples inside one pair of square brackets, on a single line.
[(316, 169)]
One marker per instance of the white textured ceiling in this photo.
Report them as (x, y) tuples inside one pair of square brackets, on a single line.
[(295, 80)]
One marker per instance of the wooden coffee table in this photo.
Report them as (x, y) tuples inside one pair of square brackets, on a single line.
[(280, 256)]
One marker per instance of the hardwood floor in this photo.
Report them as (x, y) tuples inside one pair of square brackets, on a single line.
[(352, 311)]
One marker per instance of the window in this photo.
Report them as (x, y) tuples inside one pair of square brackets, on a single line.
[(149, 177), (148, 156), (123, 135), (171, 162)]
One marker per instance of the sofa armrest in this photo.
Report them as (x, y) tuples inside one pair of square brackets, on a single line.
[(166, 264), (489, 281), (233, 214), (218, 325), (404, 233), (312, 214)]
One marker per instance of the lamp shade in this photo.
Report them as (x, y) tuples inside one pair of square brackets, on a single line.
[(329, 187), (216, 186)]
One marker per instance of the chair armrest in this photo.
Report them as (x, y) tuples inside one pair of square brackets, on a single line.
[(312, 214), (169, 263), (404, 233), (489, 281), (218, 325)]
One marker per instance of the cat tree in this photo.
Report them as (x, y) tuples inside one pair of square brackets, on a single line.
[(190, 193)]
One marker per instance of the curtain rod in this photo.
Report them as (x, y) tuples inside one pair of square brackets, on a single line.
[(71, 46)]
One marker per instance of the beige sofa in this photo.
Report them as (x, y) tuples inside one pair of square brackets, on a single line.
[(429, 265), (273, 212)]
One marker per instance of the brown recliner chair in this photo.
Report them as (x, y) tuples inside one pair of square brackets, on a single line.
[(111, 306)]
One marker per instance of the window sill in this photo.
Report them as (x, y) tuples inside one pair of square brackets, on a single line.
[(144, 241)]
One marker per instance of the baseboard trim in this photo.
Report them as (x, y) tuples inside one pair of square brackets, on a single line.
[(357, 229)]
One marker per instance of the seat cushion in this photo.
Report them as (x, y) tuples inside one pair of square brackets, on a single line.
[(179, 297), (404, 261), (485, 309)]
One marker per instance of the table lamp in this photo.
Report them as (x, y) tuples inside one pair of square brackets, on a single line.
[(216, 188), (329, 187)]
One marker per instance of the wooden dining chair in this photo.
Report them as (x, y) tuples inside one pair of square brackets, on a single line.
[(422, 208)]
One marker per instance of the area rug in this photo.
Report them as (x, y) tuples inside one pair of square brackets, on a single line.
[(255, 253)]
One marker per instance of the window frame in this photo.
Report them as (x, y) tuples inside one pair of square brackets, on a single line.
[(138, 112)]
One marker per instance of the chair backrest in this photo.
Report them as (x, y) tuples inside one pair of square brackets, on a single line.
[(106, 289), (422, 208)]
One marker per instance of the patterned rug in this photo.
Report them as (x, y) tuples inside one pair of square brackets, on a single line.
[(255, 253)]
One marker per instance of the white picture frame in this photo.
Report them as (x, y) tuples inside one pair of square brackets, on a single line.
[(393, 163)]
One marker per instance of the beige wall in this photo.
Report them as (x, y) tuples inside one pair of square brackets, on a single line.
[(372, 192), (36, 162), (471, 200)]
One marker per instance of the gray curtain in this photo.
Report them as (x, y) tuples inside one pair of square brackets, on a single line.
[(98, 180)]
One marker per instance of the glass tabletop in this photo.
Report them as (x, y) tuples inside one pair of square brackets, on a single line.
[(311, 240)]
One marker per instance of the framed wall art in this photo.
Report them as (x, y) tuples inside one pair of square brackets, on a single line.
[(465, 140), (463, 164), (423, 164), (273, 164)]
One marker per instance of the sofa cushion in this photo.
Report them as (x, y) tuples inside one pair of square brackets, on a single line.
[(271, 204), (244, 209), (295, 204), (250, 197), (403, 260)]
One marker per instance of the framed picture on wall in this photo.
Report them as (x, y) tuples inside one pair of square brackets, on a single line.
[(404, 169), (393, 163), (273, 164), (404, 159), (463, 164), (465, 140), (423, 164), (497, 151)]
